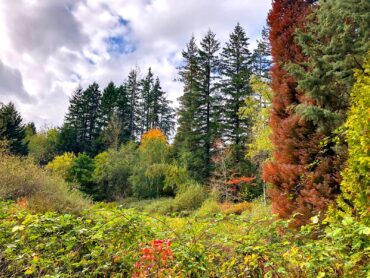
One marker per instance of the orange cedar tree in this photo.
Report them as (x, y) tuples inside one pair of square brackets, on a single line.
[(297, 187)]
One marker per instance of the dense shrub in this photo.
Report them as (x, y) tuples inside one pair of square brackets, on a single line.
[(20, 178), (112, 172), (209, 207), (235, 208), (190, 197)]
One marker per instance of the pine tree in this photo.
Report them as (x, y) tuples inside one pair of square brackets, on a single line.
[(71, 131), (236, 72), (12, 129)]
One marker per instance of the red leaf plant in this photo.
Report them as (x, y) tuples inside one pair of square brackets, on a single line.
[(154, 259)]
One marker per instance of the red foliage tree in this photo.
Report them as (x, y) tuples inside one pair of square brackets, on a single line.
[(298, 186)]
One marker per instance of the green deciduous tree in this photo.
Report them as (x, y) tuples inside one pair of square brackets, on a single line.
[(113, 169), (43, 146)]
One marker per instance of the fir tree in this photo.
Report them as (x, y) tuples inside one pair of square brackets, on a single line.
[(207, 111), (185, 143), (81, 129), (236, 72), (12, 129), (261, 58), (147, 101), (122, 110), (163, 115), (133, 111), (108, 104)]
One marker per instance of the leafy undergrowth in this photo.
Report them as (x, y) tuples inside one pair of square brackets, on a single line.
[(111, 241)]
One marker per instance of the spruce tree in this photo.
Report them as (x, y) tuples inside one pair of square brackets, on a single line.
[(12, 129), (236, 71), (336, 41)]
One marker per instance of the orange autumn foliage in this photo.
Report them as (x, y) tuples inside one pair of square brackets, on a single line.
[(300, 185), (240, 180), (22, 202), (153, 134)]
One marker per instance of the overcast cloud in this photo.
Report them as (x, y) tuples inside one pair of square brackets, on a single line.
[(49, 47)]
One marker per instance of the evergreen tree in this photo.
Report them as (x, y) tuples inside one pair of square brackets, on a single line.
[(163, 115), (236, 72), (12, 129), (207, 113), (147, 99), (108, 104), (185, 142), (81, 129), (74, 124), (122, 111), (261, 58), (134, 113), (156, 111), (91, 102), (336, 41)]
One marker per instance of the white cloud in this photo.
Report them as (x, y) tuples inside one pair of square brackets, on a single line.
[(49, 47)]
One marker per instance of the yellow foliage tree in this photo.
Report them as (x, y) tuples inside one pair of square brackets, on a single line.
[(356, 177), (61, 164)]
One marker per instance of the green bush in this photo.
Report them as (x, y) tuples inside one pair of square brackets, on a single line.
[(208, 208), (20, 178), (190, 197)]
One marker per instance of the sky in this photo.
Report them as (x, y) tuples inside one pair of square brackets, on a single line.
[(49, 47)]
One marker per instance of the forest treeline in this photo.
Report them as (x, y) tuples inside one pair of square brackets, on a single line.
[(181, 189), (249, 122), (100, 125)]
